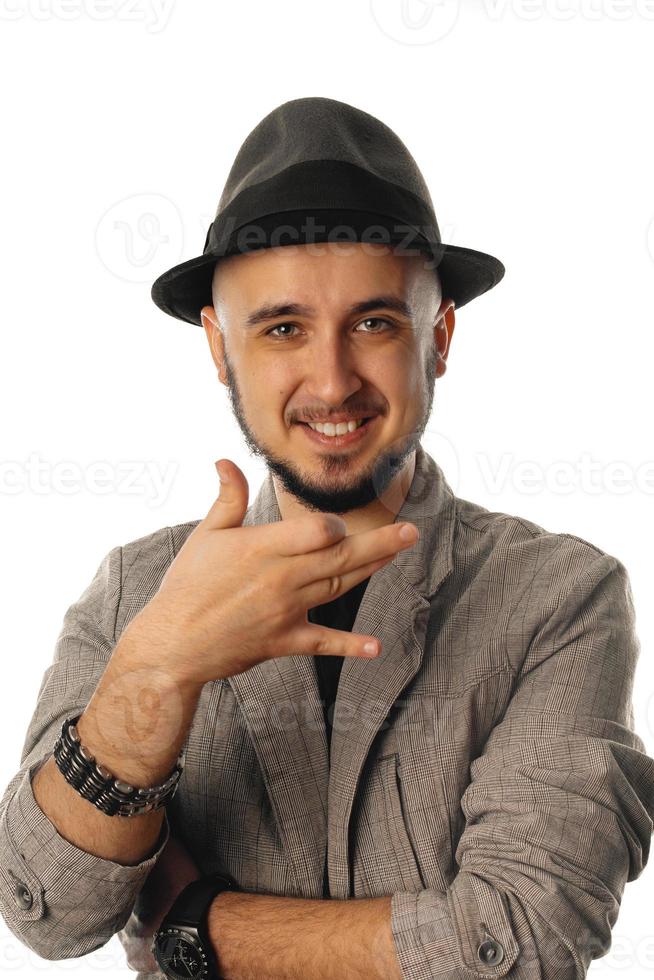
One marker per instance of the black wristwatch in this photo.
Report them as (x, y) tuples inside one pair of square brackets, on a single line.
[(181, 945)]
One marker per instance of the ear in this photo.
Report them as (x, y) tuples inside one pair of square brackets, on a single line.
[(215, 338), (443, 331)]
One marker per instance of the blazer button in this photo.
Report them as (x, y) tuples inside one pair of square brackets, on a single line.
[(23, 896), (491, 952)]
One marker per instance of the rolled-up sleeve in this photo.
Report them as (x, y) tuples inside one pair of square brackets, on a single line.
[(57, 899), (559, 807)]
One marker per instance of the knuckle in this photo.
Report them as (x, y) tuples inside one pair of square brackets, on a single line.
[(339, 554), (334, 584), (320, 646)]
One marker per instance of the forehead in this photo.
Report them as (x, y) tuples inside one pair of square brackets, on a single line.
[(324, 273)]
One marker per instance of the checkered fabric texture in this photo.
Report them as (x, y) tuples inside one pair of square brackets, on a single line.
[(485, 771)]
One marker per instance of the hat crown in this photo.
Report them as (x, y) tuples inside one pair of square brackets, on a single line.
[(322, 129), (313, 168)]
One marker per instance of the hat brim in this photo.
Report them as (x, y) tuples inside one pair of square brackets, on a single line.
[(185, 289)]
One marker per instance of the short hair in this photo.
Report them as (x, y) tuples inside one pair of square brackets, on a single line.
[(221, 261)]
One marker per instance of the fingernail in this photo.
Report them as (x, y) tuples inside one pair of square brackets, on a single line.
[(408, 532), (370, 649)]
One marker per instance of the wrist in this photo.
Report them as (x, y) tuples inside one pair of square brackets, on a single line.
[(149, 640), (107, 790), (220, 906), (138, 718), (186, 928)]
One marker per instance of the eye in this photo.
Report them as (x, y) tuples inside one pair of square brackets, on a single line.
[(370, 319), (278, 327), (377, 319)]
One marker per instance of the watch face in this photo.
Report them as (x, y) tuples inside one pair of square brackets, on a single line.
[(180, 955)]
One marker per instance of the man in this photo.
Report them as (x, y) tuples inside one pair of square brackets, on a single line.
[(479, 798)]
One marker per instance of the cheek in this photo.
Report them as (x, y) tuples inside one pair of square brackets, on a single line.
[(404, 378)]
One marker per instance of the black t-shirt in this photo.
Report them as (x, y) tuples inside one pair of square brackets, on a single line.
[(338, 614)]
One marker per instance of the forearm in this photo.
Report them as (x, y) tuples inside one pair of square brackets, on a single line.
[(268, 937), (135, 725)]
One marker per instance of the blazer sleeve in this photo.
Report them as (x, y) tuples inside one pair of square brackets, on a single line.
[(560, 805), (57, 899)]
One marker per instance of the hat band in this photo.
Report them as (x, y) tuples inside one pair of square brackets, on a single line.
[(322, 200)]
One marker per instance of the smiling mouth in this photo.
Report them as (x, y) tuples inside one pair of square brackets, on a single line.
[(340, 440), (359, 422)]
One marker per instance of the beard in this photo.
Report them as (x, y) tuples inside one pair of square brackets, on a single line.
[(337, 490)]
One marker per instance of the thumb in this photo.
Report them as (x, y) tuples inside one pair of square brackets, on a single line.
[(229, 507)]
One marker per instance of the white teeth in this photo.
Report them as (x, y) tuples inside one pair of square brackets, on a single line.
[(329, 429)]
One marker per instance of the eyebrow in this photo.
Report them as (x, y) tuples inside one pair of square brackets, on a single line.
[(270, 312)]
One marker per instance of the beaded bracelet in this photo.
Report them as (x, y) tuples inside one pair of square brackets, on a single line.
[(99, 786)]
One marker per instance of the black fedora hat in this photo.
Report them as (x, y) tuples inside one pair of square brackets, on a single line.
[(318, 170)]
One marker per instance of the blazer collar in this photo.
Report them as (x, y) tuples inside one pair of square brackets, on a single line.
[(280, 698)]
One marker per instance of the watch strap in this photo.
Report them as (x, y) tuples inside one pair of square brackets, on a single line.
[(192, 903)]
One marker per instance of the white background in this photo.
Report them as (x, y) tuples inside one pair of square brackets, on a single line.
[(531, 122)]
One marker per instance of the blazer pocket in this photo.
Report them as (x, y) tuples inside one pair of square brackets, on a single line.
[(399, 824)]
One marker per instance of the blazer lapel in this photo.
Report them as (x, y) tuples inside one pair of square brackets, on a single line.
[(280, 698), (280, 702)]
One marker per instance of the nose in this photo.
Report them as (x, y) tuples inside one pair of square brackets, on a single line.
[(332, 373)]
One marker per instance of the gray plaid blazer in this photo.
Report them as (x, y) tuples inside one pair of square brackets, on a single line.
[(485, 771)]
